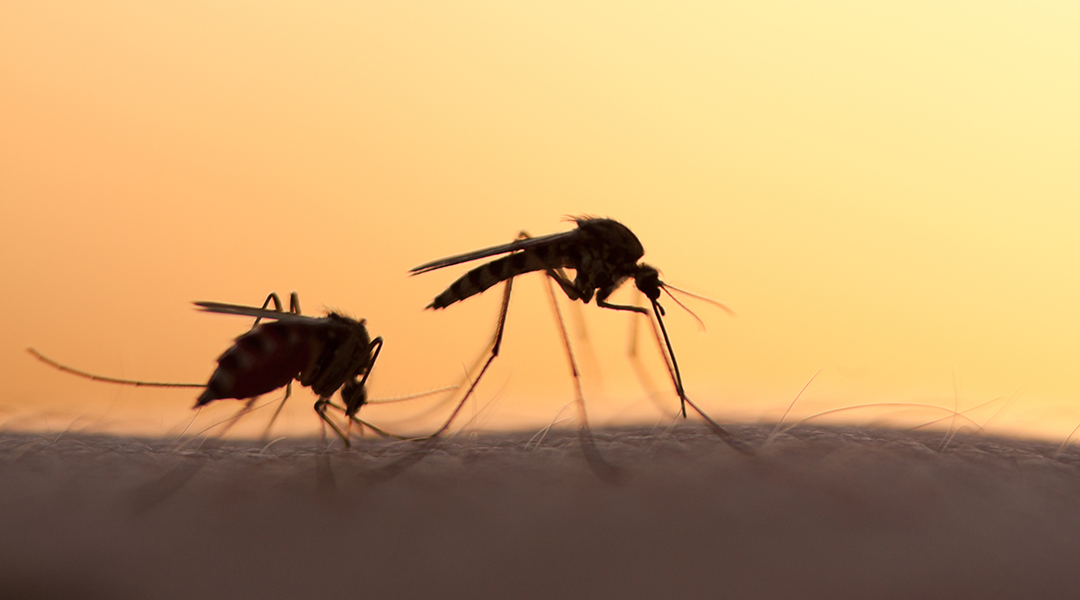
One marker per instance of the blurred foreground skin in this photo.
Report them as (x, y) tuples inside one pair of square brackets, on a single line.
[(816, 513), (604, 254)]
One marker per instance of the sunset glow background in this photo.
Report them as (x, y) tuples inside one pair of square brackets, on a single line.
[(888, 192)]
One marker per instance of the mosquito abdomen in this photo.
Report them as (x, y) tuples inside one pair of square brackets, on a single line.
[(260, 361), (485, 276)]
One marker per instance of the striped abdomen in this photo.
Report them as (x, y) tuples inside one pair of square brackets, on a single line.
[(260, 361), (540, 258)]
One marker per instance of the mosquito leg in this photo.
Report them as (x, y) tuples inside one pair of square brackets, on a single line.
[(632, 350), (233, 420), (676, 379), (362, 423), (603, 303), (572, 292), (601, 467), (586, 351), (579, 394), (636, 363), (320, 409), (277, 411), (669, 360), (496, 342), (273, 297), (378, 431), (354, 394)]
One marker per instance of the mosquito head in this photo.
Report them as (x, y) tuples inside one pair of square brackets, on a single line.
[(354, 393), (647, 279)]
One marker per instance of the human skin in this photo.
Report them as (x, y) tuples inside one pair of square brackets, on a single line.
[(815, 512)]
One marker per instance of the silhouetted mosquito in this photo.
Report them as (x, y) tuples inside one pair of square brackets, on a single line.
[(324, 353), (603, 253)]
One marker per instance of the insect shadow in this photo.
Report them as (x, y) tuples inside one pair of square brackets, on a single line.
[(604, 254)]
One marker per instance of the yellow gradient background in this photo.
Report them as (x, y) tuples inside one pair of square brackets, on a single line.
[(888, 192)]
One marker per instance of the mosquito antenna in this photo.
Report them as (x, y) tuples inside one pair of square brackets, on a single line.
[(699, 297), (92, 377), (700, 323)]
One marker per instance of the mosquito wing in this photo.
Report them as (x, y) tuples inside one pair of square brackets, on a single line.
[(503, 249), (251, 311)]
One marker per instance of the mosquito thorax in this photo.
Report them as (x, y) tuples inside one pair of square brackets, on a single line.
[(615, 235)]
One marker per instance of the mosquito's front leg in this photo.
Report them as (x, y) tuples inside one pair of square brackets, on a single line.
[(320, 409), (353, 404), (373, 351), (627, 307), (676, 379)]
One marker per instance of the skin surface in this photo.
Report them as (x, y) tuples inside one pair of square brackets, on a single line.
[(814, 513)]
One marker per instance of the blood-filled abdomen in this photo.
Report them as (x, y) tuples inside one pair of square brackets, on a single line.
[(262, 360)]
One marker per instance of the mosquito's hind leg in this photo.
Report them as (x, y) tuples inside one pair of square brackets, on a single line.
[(294, 305), (294, 308), (230, 421), (496, 342), (277, 411)]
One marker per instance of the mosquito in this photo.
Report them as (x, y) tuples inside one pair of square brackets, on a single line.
[(604, 254), (327, 354)]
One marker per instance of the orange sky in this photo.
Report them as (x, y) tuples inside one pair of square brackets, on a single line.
[(887, 193)]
